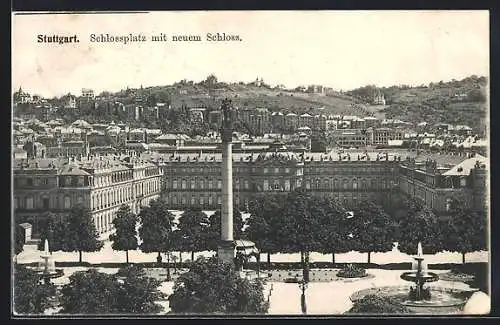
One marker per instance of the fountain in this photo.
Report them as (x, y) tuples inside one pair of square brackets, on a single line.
[(47, 267), (419, 276), (420, 300)]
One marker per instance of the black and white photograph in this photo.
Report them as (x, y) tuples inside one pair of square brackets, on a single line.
[(250, 163)]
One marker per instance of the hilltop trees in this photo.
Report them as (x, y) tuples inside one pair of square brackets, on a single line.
[(214, 287), (125, 236)]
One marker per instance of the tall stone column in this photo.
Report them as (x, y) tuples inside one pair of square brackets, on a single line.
[(226, 247)]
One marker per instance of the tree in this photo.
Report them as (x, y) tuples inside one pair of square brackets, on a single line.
[(156, 229), (192, 231), (52, 230), (419, 225), (137, 293), (264, 210), (211, 286), (90, 292), (301, 226), (465, 231), (125, 236), (318, 143), (214, 229), (81, 234), (31, 296), (264, 220), (372, 228), (334, 233)]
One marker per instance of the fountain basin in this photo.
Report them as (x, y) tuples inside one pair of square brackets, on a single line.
[(445, 301), (415, 276), (51, 274)]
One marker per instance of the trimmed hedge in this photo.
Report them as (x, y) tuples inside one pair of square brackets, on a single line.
[(469, 268)]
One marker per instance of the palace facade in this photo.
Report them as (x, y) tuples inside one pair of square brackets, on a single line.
[(193, 180), (187, 180), (101, 184)]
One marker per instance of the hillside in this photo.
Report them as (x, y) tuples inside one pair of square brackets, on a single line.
[(455, 102), (275, 100)]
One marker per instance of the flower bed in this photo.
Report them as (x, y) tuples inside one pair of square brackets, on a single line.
[(352, 271)]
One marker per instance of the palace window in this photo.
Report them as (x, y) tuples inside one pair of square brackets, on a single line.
[(219, 184), (287, 184), (276, 170), (449, 202), (202, 183), (67, 202), (193, 200), (45, 203), (184, 184), (183, 200), (355, 184), (287, 170), (210, 200), (308, 184), (265, 170), (345, 184), (266, 185), (210, 184), (174, 184), (193, 184), (29, 202), (79, 200), (247, 186), (202, 200), (219, 200), (276, 184)]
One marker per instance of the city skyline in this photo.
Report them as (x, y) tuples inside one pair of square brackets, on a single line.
[(438, 45)]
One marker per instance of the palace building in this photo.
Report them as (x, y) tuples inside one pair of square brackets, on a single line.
[(194, 180), (100, 184), (188, 179)]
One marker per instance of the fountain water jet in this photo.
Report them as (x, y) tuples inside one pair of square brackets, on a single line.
[(419, 276), (46, 266)]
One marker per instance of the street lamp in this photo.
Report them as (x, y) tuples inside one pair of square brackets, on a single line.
[(303, 287)]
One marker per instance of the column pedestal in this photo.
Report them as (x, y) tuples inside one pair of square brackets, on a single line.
[(225, 251)]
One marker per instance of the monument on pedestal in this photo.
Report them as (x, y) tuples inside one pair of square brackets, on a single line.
[(226, 249)]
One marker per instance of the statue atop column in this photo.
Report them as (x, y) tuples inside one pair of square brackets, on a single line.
[(227, 121)]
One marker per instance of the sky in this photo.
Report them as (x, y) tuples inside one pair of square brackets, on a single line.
[(343, 50)]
